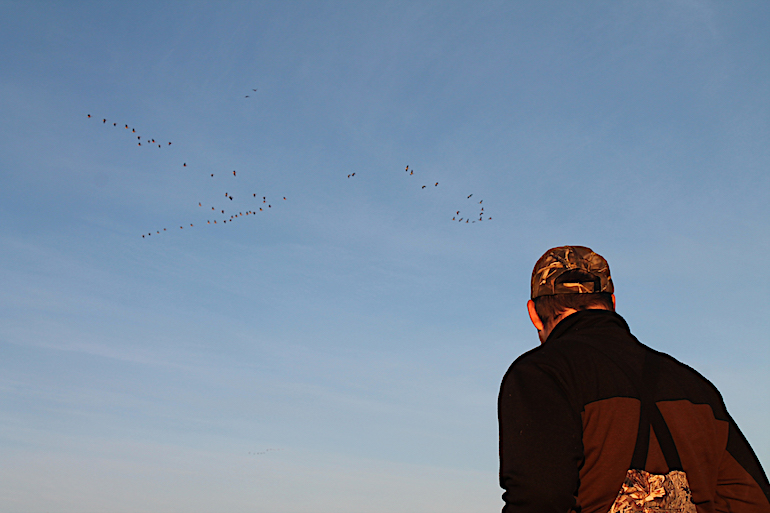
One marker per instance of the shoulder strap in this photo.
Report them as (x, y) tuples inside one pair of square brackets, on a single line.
[(650, 416)]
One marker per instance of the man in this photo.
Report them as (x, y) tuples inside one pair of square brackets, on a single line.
[(594, 421)]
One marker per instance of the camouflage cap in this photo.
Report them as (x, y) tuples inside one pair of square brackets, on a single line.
[(571, 270)]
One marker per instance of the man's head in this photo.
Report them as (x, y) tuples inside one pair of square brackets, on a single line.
[(565, 280)]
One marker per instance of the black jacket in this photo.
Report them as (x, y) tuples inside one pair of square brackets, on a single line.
[(568, 414)]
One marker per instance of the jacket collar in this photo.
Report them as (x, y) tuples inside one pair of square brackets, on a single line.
[(587, 319)]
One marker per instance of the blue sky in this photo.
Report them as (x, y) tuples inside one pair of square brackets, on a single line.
[(353, 329)]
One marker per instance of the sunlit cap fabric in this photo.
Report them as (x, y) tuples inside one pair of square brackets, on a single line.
[(571, 270)]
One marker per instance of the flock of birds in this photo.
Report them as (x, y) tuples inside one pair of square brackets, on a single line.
[(220, 215), (466, 217), (262, 452)]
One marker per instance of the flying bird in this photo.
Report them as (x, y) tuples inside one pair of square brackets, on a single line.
[(469, 195)]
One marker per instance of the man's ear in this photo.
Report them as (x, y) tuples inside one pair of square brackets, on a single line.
[(534, 317), (613, 301)]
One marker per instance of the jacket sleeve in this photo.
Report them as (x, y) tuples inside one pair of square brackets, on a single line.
[(741, 484), (541, 447)]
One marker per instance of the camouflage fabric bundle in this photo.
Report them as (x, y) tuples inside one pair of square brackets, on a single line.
[(643, 492)]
